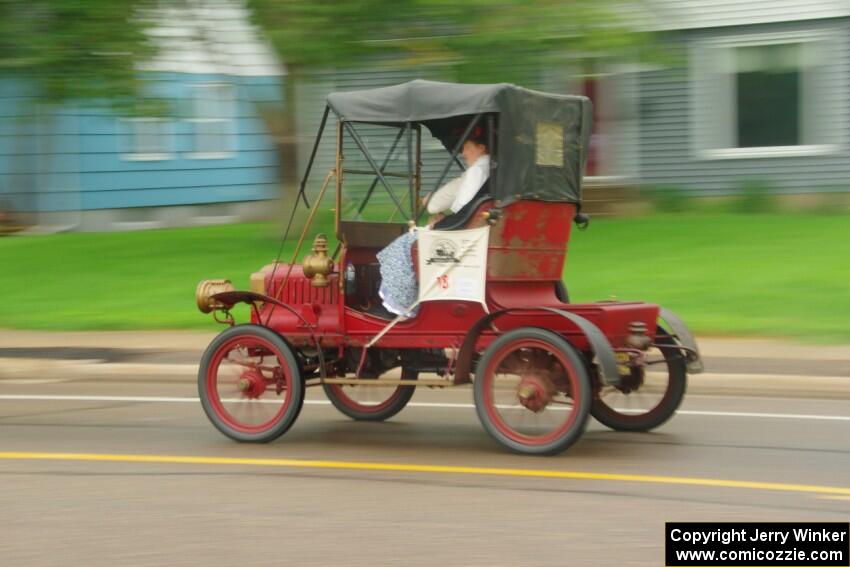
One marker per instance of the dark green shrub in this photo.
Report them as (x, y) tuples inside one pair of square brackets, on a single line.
[(754, 196), (833, 203), (669, 199)]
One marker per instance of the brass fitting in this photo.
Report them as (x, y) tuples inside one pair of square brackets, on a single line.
[(258, 279), (623, 360), (491, 216), (527, 392), (258, 282), (317, 265), (206, 289)]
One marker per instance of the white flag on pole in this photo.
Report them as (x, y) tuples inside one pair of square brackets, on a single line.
[(453, 264)]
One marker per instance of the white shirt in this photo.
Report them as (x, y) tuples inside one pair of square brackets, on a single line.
[(459, 191)]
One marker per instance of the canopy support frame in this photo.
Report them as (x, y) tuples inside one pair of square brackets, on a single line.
[(491, 147), (383, 167), (359, 142), (410, 168), (302, 190)]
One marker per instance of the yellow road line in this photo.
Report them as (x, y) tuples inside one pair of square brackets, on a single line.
[(433, 469), (834, 497)]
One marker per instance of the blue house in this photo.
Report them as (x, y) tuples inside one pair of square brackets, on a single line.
[(212, 159)]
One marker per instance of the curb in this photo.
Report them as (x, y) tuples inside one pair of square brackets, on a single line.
[(24, 371), (770, 386), (19, 370)]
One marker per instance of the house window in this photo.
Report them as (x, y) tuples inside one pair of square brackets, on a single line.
[(767, 95), (767, 98), (147, 139), (213, 119)]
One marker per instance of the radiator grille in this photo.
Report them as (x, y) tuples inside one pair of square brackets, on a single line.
[(299, 291)]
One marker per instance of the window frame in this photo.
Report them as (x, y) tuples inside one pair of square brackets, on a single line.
[(711, 119), (230, 137), (129, 133)]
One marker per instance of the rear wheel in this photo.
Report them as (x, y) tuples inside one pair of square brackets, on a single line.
[(532, 392), (373, 402), (650, 395), (249, 384)]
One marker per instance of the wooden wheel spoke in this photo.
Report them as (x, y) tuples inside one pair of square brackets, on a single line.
[(240, 376), (532, 391), (644, 401)]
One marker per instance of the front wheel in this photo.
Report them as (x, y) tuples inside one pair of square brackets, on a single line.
[(249, 384), (650, 395), (532, 392)]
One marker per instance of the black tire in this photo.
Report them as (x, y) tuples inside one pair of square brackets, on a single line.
[(666, 407), (380, 412), (578, 382), (211, 392)]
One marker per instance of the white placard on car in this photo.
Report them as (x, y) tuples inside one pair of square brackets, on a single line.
[(453, 264)]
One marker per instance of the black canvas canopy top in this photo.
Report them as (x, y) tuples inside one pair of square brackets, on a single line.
[(541, 141)]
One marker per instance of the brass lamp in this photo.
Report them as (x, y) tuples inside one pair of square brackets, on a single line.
[(318, 265)]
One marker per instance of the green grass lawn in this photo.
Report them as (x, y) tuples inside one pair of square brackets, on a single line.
[(771, 274)]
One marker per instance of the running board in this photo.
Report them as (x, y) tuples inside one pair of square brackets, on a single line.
[(431, 383)]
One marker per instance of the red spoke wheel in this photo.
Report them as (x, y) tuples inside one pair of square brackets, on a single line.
[(249, 384), (650, 396), (532, 392), (373, 402)]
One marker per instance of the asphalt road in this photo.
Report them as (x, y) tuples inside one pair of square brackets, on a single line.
[(788, 459)]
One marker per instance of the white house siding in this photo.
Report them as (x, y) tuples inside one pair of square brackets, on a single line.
[(672, 114), (699, 14)]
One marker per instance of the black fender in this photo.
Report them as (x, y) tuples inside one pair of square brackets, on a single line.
[(682, 335), (231, 298), (598, 341)]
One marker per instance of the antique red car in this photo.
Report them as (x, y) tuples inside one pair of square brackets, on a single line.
[(539, 365)]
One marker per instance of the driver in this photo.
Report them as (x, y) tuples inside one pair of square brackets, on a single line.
[(452, 197), (399, 286)]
